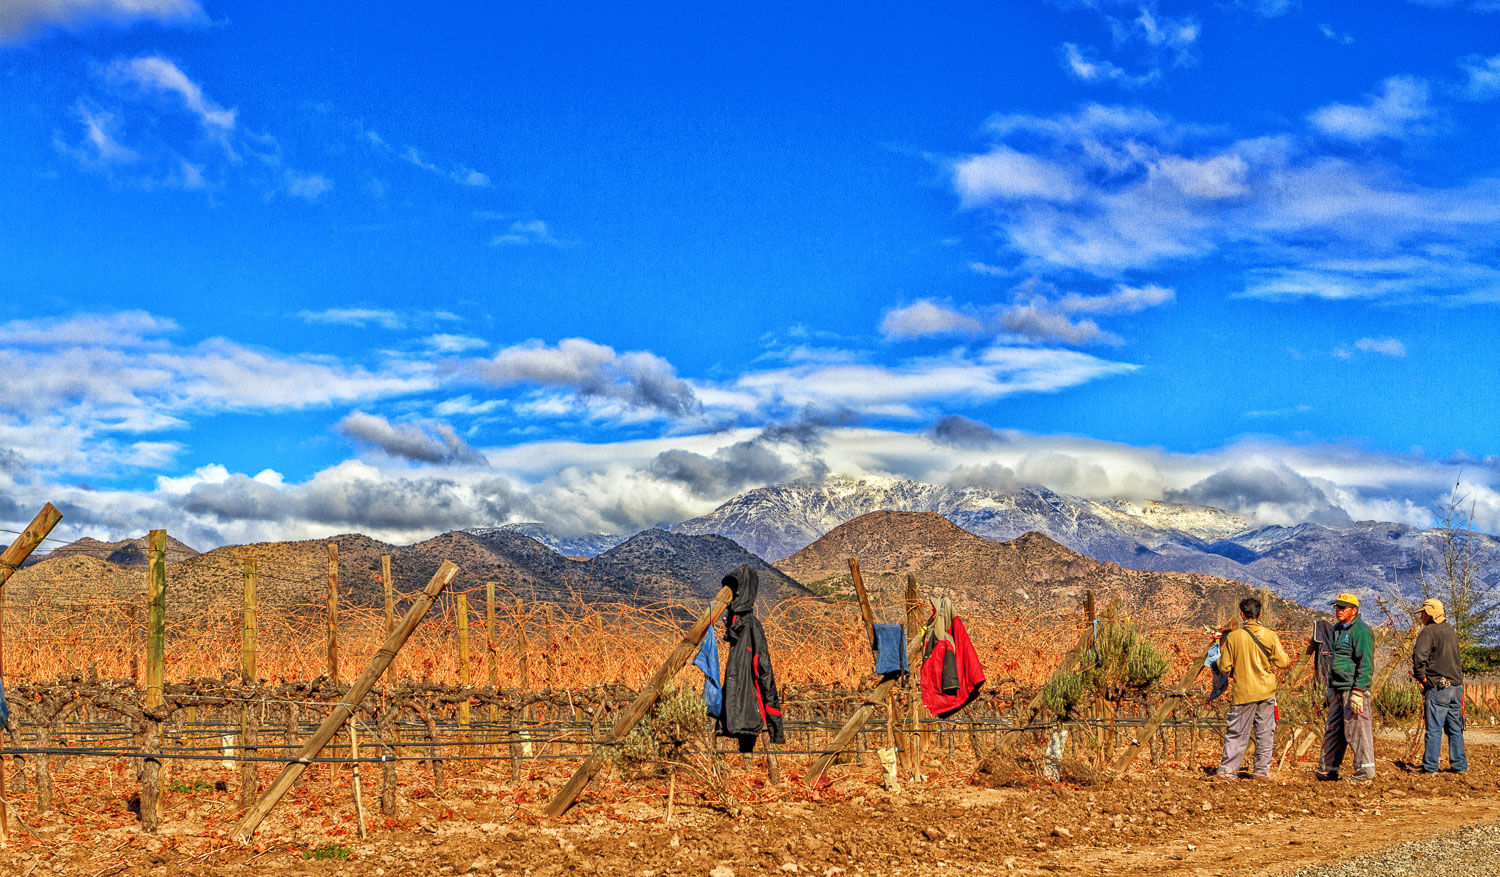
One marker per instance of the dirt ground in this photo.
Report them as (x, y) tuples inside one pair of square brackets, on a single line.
[(1166, 820)]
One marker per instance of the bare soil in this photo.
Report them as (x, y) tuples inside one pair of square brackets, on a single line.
[(1166, 820)]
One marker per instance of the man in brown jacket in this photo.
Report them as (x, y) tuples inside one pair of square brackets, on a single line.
[(1250, 655)]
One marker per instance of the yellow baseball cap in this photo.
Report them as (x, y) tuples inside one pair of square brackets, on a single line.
[(1434, 607), (1347, 599)]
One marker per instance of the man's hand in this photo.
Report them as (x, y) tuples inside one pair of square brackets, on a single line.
[(1357, 702)]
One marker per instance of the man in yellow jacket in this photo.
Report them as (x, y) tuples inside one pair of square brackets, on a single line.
[(1249, 657)]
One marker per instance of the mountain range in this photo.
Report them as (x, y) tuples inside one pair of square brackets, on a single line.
[(1306, 562)]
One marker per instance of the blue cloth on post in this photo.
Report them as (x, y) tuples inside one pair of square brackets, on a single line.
[(890, 649), (4, 710), (708, 661), (1221, 682)]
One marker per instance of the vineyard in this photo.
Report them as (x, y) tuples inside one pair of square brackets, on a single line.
[(500, 722)]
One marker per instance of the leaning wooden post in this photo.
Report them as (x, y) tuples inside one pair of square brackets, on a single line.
[(11, 561), (523, 647), (249, 636), (345, 707), (1174, 698), (465, 675), (851, 728), (642, 703), (865, 612), (156, 673), (333, 612)]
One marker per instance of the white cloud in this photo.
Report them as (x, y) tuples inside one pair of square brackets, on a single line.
[(906, 390), (925, 317), (1267, 8), (637, 380), (153, 73), (1112, 190), (1383, 346), (385, 319), (1004, 173), (1403, 103), (525, 232), (21, 20), (424, 441), (308, 187), (1482, 77), (1152, 41), (1343, 39), (458, 173), (446, 343)]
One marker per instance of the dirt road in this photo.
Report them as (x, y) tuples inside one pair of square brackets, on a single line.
[(1158, 821)]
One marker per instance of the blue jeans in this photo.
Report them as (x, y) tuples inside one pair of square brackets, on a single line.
[(1443, 711)]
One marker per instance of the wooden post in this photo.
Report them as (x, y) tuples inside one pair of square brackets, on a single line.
[(1175, 695), (359, 801), (523, 645), (465, 675), (642, 703), (333, 612), (1267, 617), (851, 728), (10, 561), (391, 673), (249, 636), (915, 627), (156, 672), (492, 658), (345, 707), (864, 601)]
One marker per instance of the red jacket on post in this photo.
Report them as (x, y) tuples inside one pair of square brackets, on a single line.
[(951, 673)]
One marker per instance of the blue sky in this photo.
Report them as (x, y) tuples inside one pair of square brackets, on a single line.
[(285, 270)]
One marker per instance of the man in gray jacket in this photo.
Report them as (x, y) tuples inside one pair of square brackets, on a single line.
[(1436, 666)]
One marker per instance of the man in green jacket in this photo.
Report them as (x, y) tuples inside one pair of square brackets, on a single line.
[(1249, 656), (1348, 724)]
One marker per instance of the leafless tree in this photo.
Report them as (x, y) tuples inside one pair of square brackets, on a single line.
[(1452, 571)]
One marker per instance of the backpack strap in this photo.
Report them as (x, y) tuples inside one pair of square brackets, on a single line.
[(1257, 641)]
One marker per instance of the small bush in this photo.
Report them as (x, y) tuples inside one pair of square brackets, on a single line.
[(1121, 659), (1063, 693), (1398, 701), (677, 717)]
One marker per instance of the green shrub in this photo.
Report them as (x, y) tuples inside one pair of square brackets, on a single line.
[(1398, 701), (1120, 659), (677, 717), (1063, 693), (329, 852)]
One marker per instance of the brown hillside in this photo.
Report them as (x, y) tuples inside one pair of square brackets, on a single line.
[(293, 576), (1030, 574)]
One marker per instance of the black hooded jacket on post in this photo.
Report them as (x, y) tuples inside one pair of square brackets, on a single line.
[(751, 704)]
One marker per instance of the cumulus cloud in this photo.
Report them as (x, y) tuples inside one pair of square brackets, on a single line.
[(1115, 190), (638, 380), (926, 317), (423, 442), (1395, 112), (21, 20), (1382, 346)]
